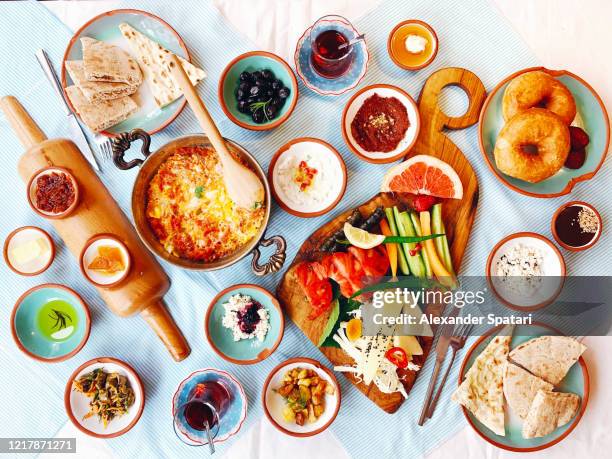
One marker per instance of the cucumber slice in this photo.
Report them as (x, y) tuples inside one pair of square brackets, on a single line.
[(405, 228), (401, 258), (441, 243), (417, 229)]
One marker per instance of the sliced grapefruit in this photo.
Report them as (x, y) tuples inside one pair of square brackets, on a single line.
[(424, 174)]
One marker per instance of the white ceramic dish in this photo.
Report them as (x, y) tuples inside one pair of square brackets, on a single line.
[(77, 404), (410, 137), (90, 252), (25, 235), (553, 273), (274, 403)]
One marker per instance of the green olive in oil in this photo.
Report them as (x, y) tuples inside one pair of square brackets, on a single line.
[(57, 320)]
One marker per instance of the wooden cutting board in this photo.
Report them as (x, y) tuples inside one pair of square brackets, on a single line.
[(458, 216)]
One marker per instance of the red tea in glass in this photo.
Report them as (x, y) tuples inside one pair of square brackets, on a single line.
[(207, 403), (328, 57)]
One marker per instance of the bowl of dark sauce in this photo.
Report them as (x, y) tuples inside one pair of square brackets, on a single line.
[(576, 226)]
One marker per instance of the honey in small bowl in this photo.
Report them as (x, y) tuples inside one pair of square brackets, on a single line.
[(412, 44)]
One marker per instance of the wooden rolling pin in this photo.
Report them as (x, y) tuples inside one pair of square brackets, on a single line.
[(96, 213)]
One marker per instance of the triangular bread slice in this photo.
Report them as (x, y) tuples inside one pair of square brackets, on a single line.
[(105, 62), (103, 115), (520, 388), (97, 91), (152, 58), (548, 357), (481, 390), (548, 411)]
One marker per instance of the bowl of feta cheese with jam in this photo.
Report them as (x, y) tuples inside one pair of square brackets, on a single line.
[(244, 324), (526, 271), (308, 177)]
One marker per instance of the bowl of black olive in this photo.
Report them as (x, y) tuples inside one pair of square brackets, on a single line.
[(258, 90)]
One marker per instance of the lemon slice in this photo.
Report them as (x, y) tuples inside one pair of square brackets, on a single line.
[(361, 238)]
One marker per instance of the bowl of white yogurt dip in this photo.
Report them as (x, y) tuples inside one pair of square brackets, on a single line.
[(308, 177)]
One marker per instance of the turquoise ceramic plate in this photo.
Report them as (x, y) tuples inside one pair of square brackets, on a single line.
[(576, 381), (50, 323), (231, 419), (250, 62), (592, 117), (246, 351), (105, 27)]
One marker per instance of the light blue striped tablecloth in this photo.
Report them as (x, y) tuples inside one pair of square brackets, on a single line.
[(472, 35)]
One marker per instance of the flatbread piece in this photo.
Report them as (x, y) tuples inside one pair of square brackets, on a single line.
[(97, 91), (102, 115), (548, 357), (152, 58), (105, 62), (481, 390), (549, 411), (520, 388)]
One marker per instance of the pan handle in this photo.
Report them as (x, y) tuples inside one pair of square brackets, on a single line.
[(122, 143), (276, 261)]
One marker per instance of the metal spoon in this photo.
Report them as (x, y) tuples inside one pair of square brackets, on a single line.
[(357, 39), (211, 445)]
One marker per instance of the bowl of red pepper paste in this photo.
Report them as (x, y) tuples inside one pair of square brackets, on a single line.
[(53, 192)]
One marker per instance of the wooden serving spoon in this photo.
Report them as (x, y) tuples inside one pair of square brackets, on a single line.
[(243, 185)]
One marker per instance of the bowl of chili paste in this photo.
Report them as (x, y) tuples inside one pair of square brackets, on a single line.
[(53, 192), (380, 123)]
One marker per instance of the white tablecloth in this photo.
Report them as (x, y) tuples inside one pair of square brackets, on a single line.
[(563, 34)]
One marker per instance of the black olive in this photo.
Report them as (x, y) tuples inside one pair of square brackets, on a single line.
[(254, 90), (277, 84), (283, 93), (246, 76), (269, 92), (267, 74), (256, 74), (262, 98), (243, 106), (271, 111), (240, 94), (261, 82), (251, 100), (245, 86), (258, 116), (277, 102)]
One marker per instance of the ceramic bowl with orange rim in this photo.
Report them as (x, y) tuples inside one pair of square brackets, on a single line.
[(576, 381), (50, 323), (105, 27), (251, 62), (105, 261), (275, 404), (567, 229), (507, 275), (77, 403), (29, 250), (54, 180), (351, 111), (412, 44), (244, 324), (591, 116), (307, 176)]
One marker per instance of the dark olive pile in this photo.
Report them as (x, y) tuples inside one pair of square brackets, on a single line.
[(261, 95)]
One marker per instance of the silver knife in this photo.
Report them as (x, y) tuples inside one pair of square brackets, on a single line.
[(76, 132), (446, 332)]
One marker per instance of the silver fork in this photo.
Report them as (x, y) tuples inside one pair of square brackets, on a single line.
[(105, 147), (457, 341)]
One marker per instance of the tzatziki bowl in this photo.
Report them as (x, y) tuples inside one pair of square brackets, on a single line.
[(308, 177)]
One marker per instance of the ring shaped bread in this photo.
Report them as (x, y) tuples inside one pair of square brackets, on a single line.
[(533, 145), (541, 90)]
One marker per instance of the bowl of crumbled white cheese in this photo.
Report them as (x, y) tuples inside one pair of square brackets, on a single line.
[(526, 271), (244, 324)]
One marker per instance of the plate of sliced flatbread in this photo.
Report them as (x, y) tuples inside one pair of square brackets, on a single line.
[(523, 390), (115, 77)]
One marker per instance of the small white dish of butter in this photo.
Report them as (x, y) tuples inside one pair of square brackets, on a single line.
[(29, 250)]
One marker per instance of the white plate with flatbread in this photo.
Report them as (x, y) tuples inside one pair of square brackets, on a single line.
[(150, 105), (534, 391)]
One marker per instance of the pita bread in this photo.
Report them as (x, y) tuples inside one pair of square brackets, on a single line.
[(548, 357), (520, 388), (97, 91), (152, 59), (103, 115), (481, 390), (548, 411), (106, 62)]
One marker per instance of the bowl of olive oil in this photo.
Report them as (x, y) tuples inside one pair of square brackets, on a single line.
[(50, 322)]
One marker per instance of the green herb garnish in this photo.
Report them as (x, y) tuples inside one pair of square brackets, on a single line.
[(257, 205), (60, 319), (199, 191), (260, 106)]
